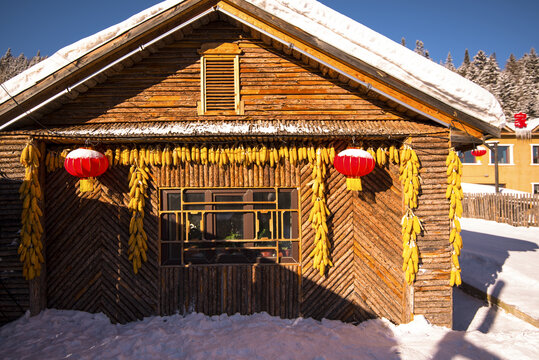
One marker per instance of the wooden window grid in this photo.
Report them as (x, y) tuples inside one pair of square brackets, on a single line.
[(192, 221)]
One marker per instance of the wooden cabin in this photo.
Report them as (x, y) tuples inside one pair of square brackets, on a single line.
[(230, 104)]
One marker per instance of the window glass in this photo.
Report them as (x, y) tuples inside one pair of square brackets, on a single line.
[(535, 154), (173, 201), (467, 157), (503, 155)]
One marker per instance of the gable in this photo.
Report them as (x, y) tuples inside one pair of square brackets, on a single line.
[(280, 93), (271, 29)]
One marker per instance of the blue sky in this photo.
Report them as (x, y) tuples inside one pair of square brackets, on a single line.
[(499, 26)]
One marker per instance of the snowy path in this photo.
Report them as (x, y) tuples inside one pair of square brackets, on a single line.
[(503, 261)]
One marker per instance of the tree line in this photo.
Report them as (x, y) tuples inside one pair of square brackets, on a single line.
[(11, 66), (516, 85)]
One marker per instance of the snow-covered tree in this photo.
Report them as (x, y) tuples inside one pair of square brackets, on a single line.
[(489, 76), (449, 63), (464, 68), (420, 49), (11, 66)]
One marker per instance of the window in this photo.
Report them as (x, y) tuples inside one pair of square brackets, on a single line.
[(505, 155), (535, 154), (219, 80), (236, 225), (467, 158), (535, 188)]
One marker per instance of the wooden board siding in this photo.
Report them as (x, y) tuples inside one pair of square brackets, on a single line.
[(14, 295), (87, 263), (433, 297), (216, 289), (364, 230), (166, 86), (366, 281)]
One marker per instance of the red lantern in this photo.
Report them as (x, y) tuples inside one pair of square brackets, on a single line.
[(478, 152), (354, 163), (520, 120), (86, 164)]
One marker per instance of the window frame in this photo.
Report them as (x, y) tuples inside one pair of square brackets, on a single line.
[(533, 188), (532, 146), (285, 247), (510, 157)]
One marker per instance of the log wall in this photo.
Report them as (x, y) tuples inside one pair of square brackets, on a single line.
[(14, 294), (433, 297)]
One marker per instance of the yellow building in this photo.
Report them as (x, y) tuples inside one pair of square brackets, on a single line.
[(518, 160)]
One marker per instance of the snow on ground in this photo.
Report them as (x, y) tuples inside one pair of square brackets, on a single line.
[(470, 188), (493, 252), (503, 261), (61, 334)]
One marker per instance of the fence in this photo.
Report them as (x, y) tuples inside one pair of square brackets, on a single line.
[(513, 209)]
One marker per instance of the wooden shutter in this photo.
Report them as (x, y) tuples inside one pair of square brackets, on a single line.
[(220, 79), (220, 83)]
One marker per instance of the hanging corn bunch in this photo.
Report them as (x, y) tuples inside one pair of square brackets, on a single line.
[(31, 247), (52, 161), (138, 184), (319, 158), (411, 225), (55, 159), (454, 194), (381, 156), (393, 154)]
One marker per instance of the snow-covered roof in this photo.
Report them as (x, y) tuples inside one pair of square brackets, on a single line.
[(531, 124), (323, 23)]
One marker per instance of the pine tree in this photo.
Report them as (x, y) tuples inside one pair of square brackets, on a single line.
[(449, 62), (420, 49), (465, 66), (489, 76), (530, 83), (477, 66)]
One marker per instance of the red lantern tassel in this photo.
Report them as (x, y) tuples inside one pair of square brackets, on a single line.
[(353, 184), (86, 184)]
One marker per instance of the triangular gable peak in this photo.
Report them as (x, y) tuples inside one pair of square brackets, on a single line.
[(285, 95), (172, 24), (532, 125)]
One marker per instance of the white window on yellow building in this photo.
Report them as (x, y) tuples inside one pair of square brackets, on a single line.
[(505, 155), (535, 188)]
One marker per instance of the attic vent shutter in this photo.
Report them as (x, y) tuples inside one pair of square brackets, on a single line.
[(220, 79), (220, 84)]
